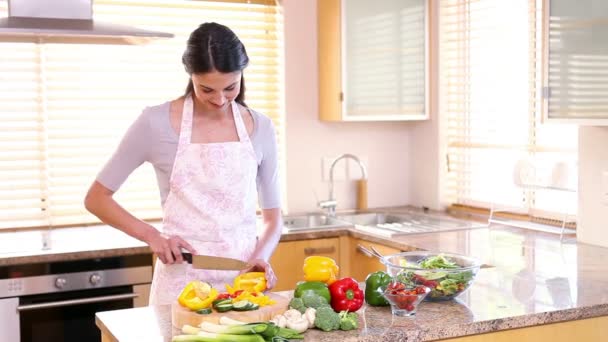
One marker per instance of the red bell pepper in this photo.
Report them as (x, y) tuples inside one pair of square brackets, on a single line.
[(346, 295)]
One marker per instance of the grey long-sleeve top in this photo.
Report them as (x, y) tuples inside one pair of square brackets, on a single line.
[(152, 139)]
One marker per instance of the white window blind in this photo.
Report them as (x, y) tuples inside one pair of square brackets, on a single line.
[(490, 79), (577, 59), (385, 57), (65, 107)]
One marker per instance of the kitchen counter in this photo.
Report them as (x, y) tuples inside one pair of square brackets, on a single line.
[(26, 247), (535, 279)]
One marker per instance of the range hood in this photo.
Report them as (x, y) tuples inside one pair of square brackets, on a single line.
[(66, 21)]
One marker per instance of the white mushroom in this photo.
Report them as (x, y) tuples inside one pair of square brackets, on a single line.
[(292, 314), (279, 320), (299, 324)]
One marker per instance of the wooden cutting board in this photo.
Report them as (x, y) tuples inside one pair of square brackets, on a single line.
[(181, 315)]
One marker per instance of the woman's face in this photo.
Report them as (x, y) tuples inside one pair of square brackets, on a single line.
[(215, 90)]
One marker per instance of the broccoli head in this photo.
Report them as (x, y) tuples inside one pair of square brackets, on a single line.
[(298, 304), (312, 300), (348, 320), (327, 319)]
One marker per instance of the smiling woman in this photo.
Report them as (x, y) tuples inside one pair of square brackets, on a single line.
[(65, 107), (219, 155)]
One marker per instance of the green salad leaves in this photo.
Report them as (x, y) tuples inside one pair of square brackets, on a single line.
[(444, 283)]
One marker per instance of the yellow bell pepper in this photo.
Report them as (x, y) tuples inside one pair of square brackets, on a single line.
[(320, 268), (250, 281), (254, 297), (197, 295)]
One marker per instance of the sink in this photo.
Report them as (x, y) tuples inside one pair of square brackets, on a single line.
[(407, 223), (311, 221)]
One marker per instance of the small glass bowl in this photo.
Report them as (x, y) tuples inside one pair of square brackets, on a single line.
[(404, 300)]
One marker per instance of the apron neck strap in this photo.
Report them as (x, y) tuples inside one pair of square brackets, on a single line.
[(185, 135), (238, 121)]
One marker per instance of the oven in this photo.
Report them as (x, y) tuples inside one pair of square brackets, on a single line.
[(57, 301)]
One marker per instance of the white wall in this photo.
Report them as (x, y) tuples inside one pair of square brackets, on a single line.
[(592, 208), (385, 146), (427, 153)]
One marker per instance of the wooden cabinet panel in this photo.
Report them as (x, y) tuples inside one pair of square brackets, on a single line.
[(360, 264), (348, 49), (288, 259), (591, 329), (143, 291)]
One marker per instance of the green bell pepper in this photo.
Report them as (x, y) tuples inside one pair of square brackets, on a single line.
[(375, 283), (315, 287)]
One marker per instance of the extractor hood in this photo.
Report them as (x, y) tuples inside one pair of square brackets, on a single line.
[(66, 21)]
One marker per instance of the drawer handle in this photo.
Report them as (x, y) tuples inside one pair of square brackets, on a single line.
[(319, 250), (365, 251), (76, 302)]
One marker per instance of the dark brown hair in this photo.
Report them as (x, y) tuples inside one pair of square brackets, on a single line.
[(215, 47)]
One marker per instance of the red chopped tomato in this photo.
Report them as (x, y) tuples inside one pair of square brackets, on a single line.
[(236, 293), (223, 295)]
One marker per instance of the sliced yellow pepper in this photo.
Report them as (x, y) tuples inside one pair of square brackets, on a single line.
[(320, 268), (254, 297), (250, 281), (197, 295)]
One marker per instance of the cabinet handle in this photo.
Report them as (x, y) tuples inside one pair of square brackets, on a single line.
[(76, 302), (364, 251), (319, 250)]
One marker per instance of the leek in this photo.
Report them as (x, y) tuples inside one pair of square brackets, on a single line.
[(242, 329), (229, 321), (211, 337), (190, 330)]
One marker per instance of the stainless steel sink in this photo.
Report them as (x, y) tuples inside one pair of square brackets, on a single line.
[(312, 221), (407, 223)]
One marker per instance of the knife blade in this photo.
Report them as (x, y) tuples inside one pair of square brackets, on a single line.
[(209, 262)]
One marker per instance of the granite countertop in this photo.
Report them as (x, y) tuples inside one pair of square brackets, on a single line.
[(26, 247), (534, 279)]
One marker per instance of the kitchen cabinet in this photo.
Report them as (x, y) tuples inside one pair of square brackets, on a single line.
[(373, 60), (143, 295), (576, 45), (288, 259), (591, 329), (360, 264)]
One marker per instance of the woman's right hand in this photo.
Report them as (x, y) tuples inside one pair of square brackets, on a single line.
[(168, 248)]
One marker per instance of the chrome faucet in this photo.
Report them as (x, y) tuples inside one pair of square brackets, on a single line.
[(331, 203)]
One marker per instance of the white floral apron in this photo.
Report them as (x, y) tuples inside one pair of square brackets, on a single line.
[(211, 205)]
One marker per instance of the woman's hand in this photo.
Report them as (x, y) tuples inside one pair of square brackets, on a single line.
[(259, 265), (168, 248)]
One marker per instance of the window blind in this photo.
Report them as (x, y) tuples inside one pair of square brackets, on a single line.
[(65, 107), (385, 57), (490, 80), (577, 60)]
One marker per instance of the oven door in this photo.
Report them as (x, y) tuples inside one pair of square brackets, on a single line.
[(69, 316)]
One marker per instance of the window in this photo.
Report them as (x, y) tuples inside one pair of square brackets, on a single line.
[(65, 107), (490, 74)]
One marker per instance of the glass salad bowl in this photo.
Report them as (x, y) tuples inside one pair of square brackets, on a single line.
[(446, 275)]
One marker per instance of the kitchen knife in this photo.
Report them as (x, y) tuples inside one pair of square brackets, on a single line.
[(209, 262)]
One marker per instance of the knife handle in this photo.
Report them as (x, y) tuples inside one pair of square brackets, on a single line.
[(187, 257)]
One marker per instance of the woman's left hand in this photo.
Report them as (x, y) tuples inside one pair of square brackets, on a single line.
[(259, 265)]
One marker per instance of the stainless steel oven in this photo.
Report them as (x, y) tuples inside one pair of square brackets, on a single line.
[(57, 301)]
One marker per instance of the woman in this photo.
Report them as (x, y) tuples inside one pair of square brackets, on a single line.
[(210, 153)]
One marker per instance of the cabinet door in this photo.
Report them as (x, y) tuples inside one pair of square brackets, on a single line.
[(576, 89), (373, 60), (288, 259), (362, 264)]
